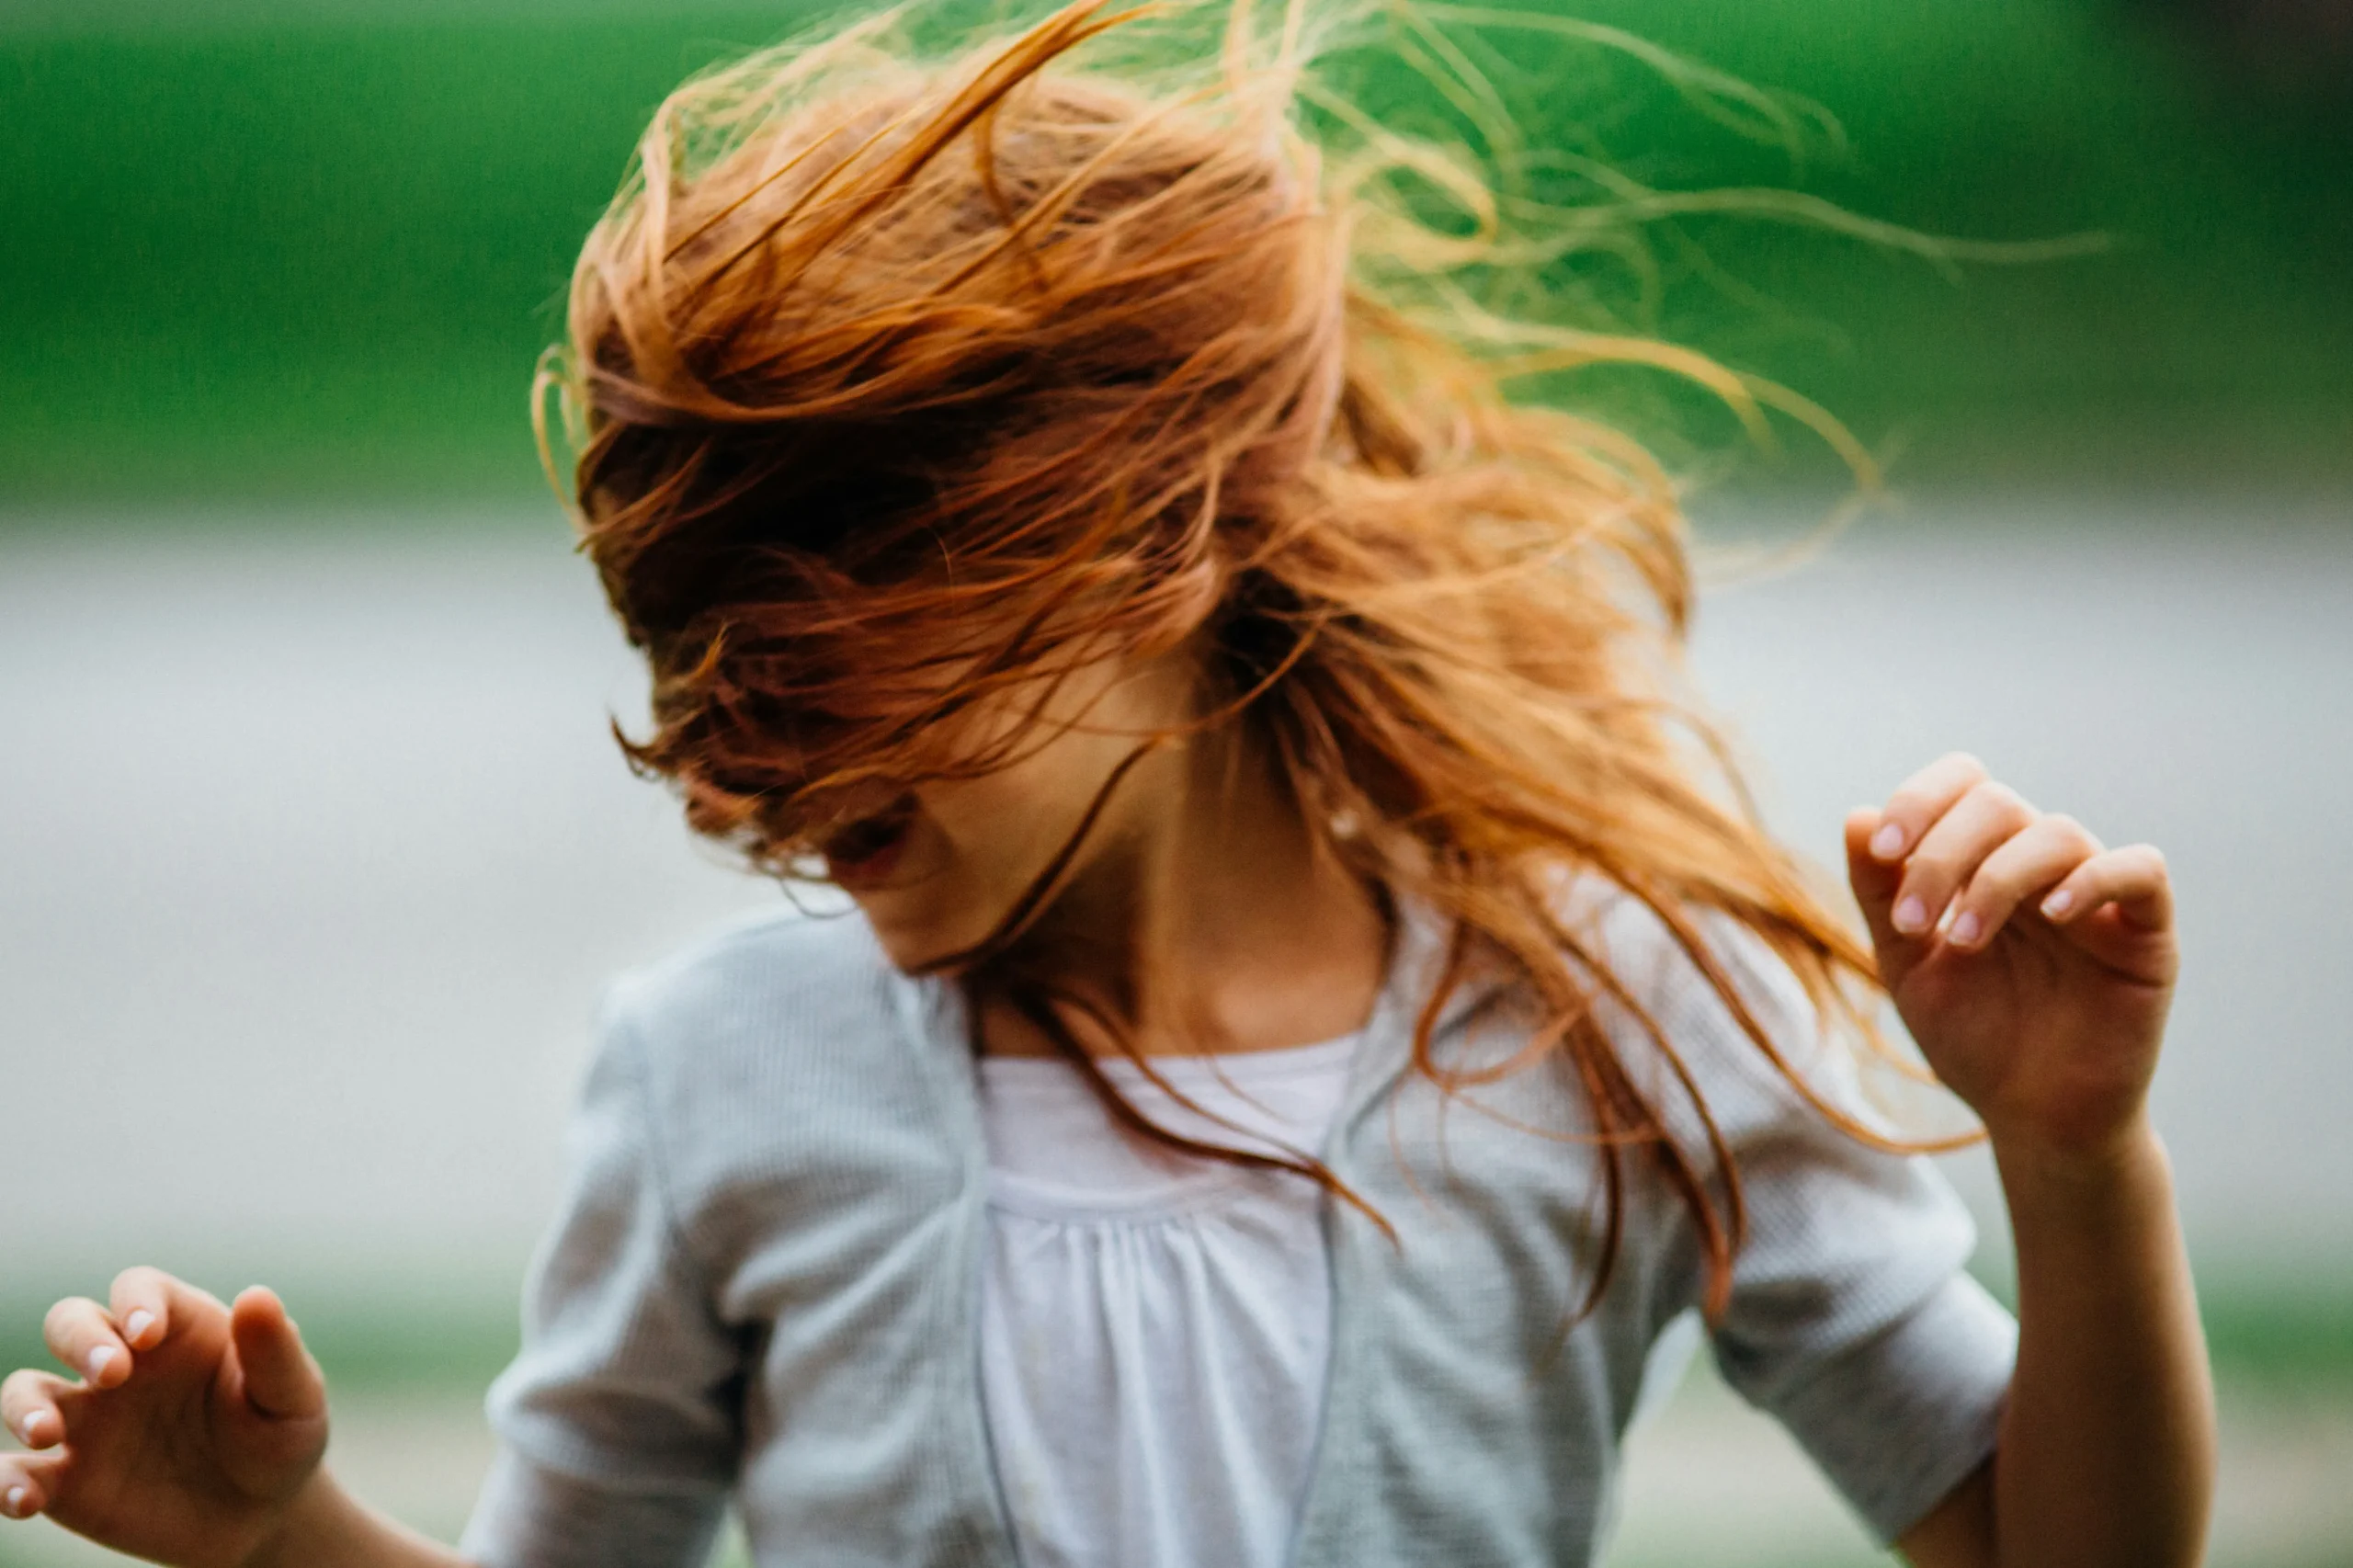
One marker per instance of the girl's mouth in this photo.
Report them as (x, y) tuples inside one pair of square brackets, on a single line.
[(864, 852)]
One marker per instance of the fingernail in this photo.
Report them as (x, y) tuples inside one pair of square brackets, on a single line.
[(1888, 842), (17, 1501), (30, 1429), (137, 1324), (2058, 903), (101, 1360), (1911, 915), (1966, 931)]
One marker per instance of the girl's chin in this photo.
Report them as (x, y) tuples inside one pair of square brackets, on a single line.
[(915, 930)]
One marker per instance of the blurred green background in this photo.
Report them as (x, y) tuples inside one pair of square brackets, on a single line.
[(259, 249)]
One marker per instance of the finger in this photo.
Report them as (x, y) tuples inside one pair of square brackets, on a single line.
[(1875, 883), (27, 1482), (1920, 799), (2134, 878), (1873, 879), (1950, 852), (147, 1302), (2034, 858), (79, 1334), (280, 1378), (33, 1405)]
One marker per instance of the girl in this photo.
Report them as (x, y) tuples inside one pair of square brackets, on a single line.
[(1305, 1025)]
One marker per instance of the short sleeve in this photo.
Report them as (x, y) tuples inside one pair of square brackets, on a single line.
[(1852, 1320), (1853, 1324), (619, 1421)]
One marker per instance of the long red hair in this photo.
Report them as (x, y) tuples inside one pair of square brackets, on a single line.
[(883, 365)]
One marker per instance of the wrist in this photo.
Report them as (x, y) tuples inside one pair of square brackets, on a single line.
[(2088, 1179), (307, 1531), (325, 1527)]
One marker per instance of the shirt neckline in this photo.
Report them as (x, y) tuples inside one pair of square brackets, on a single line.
[(1208, 1067), (933, 1009), (1055, 1087)]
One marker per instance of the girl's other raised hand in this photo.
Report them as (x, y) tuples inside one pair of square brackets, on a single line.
[(192, 1429), (2033, 965)]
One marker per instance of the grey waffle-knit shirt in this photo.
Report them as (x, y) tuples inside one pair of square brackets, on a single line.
[(763, 1284)]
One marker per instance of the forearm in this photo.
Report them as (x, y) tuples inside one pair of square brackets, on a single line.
[(330, 1529), (2108, 1443)]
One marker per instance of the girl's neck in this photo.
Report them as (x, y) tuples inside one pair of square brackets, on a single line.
[(1213, 918)]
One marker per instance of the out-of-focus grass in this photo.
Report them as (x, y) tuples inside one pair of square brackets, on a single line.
[(2261, 1334), (2272, 1336), (368, 1343), (253, 251)]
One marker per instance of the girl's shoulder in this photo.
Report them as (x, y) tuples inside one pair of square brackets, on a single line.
[(767, 967), (783, 1016), (1655, 978)]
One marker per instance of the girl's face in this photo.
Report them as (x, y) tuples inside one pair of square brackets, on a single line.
[(939, 869)]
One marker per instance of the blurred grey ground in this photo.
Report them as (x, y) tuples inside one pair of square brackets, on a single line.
[(313, 853)]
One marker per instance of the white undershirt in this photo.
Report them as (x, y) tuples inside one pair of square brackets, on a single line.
[(1155, 1327)]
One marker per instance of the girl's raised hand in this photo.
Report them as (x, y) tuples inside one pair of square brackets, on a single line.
[(2032, 965), (192, 1429)]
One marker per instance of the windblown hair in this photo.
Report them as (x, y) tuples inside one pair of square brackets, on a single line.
[(898, 382)]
